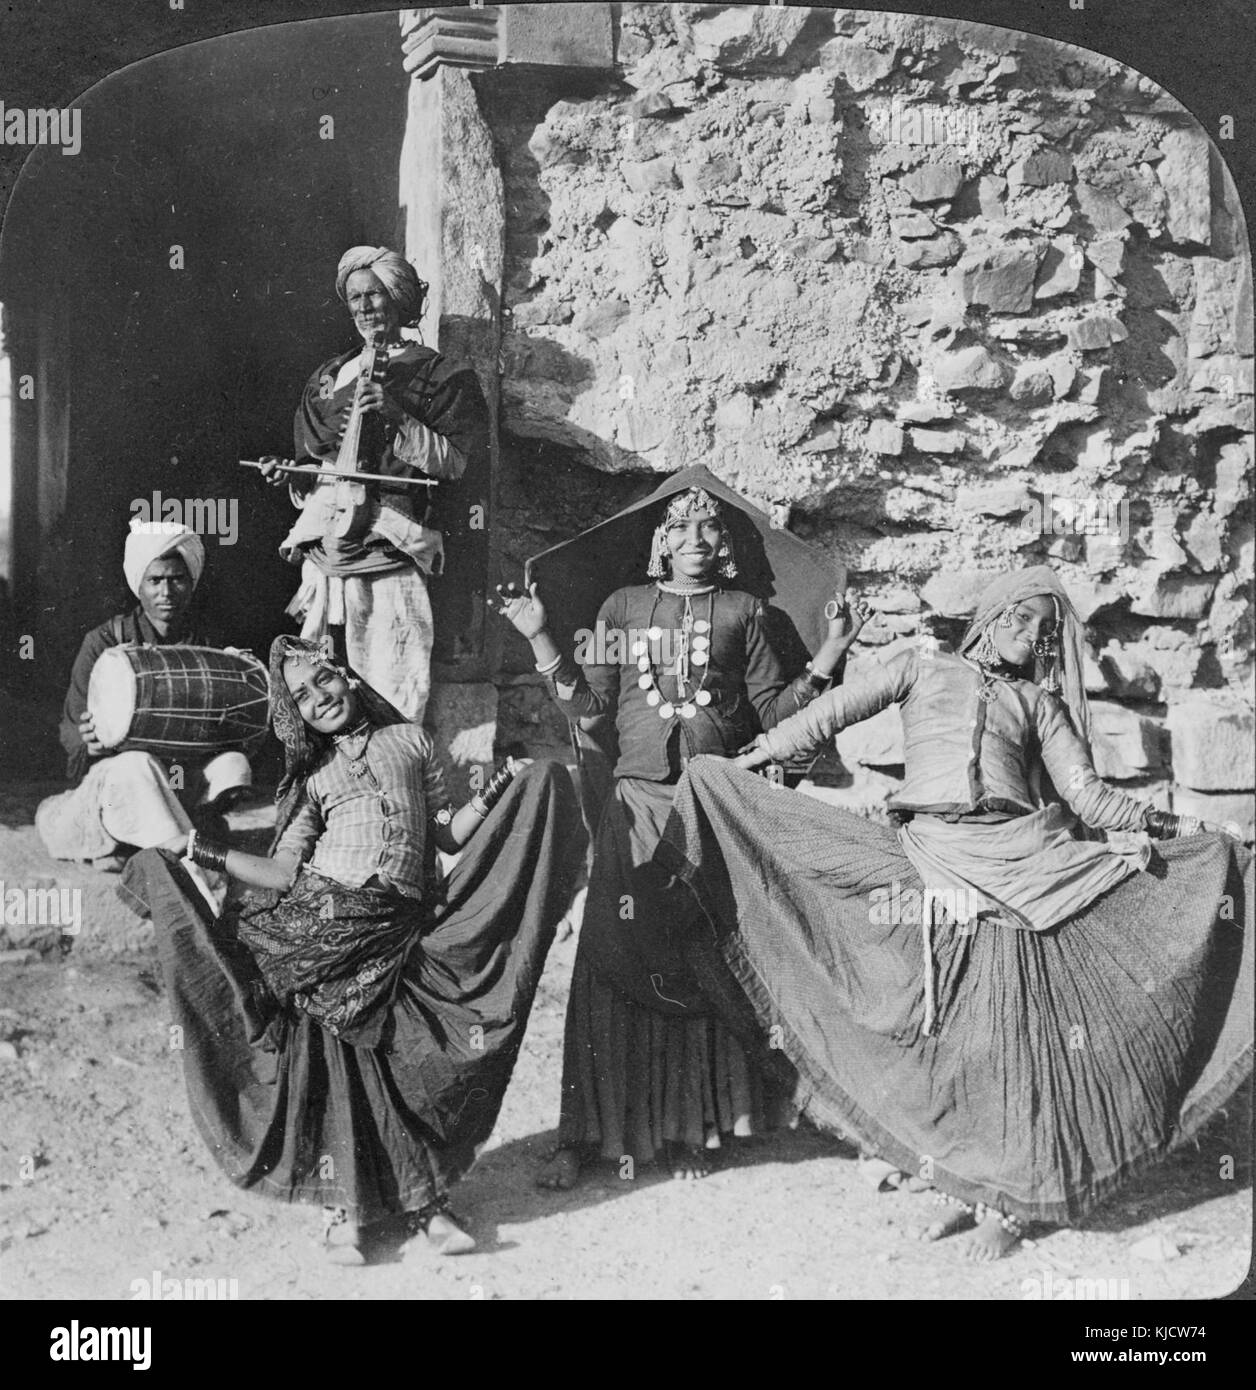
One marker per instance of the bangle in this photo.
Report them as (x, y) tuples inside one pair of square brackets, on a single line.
[(477, 805), (496, 788), (207, 853), (817, 678), (1162, 824), (549, 665)]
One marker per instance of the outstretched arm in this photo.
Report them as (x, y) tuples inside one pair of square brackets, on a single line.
[(870, 690), (1068, 761)]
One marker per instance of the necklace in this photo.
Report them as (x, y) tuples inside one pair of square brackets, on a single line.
[(695, 649), (990, 675), (690, 587), (357, 761)]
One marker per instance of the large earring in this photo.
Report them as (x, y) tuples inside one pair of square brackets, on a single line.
[(985, 653), (659, 565), (727, 565)]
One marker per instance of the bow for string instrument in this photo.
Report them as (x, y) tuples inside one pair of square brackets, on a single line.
[(349, 507)]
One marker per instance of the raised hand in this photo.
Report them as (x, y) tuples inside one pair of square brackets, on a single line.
[(525, 611), (846, 616)]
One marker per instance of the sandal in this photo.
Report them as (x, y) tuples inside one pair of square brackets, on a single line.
[(436, 1228), (884, 1177)]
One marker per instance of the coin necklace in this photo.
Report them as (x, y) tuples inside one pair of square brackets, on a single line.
[(695, 649)]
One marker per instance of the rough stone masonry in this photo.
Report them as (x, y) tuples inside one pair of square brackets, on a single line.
[(915, 284)]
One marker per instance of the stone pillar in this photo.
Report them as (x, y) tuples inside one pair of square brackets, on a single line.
[(453, 204)]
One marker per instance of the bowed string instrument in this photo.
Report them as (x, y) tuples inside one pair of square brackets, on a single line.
[(349, 508)]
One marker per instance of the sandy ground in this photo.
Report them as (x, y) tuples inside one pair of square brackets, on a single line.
[(103, 1179)]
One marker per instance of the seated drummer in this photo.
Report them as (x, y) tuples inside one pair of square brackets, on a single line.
[(131, 799)]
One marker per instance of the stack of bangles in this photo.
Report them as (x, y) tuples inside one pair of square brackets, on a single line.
[(1165, 826), (483, 802), (209, 854)]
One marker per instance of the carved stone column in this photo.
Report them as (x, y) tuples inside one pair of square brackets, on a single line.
[(451, 194)]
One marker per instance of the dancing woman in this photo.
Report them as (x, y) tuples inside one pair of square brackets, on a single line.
[(684, 666), (1022, 1017), (348, 1034)]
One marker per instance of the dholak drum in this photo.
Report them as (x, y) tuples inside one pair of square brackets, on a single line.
[(177, 699)]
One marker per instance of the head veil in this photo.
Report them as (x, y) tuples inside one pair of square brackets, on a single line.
[(303, 747), (1066, 663)]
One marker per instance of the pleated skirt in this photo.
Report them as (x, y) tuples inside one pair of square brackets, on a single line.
[(646, 1061), (1060, 1064), (293, 1111)]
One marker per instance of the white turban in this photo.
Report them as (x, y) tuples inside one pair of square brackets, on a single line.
[(151, 540), (393, 271)]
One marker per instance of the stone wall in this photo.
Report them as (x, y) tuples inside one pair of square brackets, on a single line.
[(907, 280)]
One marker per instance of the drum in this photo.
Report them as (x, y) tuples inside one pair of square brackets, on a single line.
[(177, 699)]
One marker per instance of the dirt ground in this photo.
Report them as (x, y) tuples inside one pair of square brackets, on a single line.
[(103, 1179)]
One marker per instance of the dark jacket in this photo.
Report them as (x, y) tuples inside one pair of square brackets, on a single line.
[(746, 681)]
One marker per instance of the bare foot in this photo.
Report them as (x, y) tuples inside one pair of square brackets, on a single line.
[(948, 1221), (689, 1162), (990, 1241), (561, 1171)]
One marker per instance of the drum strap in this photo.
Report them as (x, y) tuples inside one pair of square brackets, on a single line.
[(115, 629)]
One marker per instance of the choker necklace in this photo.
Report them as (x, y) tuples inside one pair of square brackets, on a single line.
[(695, 649), (692, 587)]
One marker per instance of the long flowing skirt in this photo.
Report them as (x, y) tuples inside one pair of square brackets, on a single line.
[(292, 1110), (1061, 1063), (645, 1060)]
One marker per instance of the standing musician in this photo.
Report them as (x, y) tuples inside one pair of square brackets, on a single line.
[(422, 416), (126, 799)]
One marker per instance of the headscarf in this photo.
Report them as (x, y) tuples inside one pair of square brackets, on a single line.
[(393, 271), (152, 540), (303, 747), (1066, 664), (695, 502)]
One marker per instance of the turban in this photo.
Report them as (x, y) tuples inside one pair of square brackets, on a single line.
[(152, 540), (393, 271), (1040, 581)]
